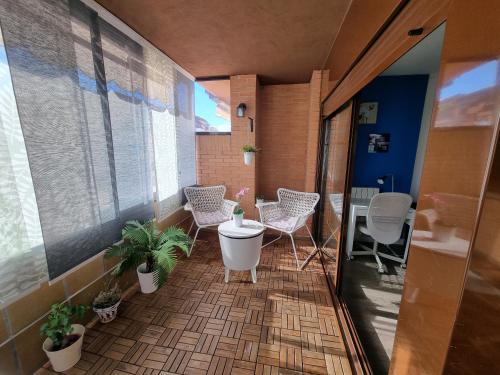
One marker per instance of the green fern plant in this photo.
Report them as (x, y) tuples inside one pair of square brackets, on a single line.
[(144, 242)]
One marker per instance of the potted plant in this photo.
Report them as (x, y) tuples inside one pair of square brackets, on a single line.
[(259, 199), (63, 345), (248, 153), (238, 211), (150, 251), (106, 303)]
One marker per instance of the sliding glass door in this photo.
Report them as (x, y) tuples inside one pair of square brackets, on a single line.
[(335, 160)]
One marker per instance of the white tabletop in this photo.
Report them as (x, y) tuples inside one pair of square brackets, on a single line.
[(250, 228)]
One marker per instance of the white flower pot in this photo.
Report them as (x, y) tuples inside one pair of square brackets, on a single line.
[(260, 200), (238, 220), (146, 280), (248, 157), (107, 314), (66, 358)]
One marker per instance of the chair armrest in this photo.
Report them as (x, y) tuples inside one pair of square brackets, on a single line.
[(307, 214), (302, 219), (268, 210), (227, 207), (265, 204)]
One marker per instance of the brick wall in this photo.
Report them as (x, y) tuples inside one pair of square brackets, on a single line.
[(286, 130), (288, 136), (313, 129), (283, 138), (219, 157)]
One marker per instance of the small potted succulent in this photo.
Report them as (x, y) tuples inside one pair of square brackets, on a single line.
[(248, 153), (259, 199), (63, 344), (150, 251), (106, 303), (238, 211)]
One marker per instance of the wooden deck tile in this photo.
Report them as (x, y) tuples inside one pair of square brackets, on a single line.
[(207, 344), (197, 324), (226, 347), (247, 350), (220, 366)]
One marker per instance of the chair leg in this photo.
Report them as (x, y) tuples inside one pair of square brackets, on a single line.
[(314, 252), (311, 237), (191, 227), (295, 251), (270, 242), (377, 258), (194, 240)]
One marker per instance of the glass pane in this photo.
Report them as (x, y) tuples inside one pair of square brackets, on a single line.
[(394, 117), (335, 159), (212, 106)]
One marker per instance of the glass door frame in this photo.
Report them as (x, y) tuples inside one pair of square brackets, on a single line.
[(357, 357)]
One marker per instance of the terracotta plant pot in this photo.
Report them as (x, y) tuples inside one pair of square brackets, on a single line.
[(64, 359), (107, 314), (146, 280)]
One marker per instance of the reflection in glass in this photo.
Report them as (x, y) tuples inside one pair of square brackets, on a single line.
[(336, 146)]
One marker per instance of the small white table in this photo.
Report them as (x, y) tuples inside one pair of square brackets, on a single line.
[(359, 207), (241, 246)]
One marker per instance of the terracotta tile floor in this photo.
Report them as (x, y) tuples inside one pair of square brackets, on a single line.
[(197, 324)]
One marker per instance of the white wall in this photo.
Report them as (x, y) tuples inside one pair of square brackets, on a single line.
[(425, 125)]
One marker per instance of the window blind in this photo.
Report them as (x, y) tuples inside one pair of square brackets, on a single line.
[(22, 255), (106, 121), (185, 125)]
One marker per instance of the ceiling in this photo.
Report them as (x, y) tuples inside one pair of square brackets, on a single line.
[(421, 59), (282, 41)]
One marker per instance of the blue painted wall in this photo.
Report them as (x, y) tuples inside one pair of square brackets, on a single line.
[(400, 105)]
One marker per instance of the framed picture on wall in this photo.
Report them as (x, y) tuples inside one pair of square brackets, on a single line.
[(378, 143), (368, 113)]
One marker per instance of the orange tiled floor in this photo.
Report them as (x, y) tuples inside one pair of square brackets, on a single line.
[(197, 324)]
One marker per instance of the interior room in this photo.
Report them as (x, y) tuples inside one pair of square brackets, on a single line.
[(404, 94), (249, 187)]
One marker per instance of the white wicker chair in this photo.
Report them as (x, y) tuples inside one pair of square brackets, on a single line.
[(288, 215), (208, 206)]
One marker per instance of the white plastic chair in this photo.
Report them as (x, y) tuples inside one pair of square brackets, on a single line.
[(288, 215), (208, 206), (364, 192), (384, 223)]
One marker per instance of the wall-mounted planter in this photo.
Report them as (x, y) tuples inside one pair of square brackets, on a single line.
[(248, 157)]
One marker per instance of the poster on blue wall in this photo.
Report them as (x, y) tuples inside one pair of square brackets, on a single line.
[(378, 143), (368, 113)]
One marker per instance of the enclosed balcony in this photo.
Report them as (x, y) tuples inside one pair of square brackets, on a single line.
[(249, 187)]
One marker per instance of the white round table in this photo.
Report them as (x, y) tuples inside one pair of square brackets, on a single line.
[(241, 246)]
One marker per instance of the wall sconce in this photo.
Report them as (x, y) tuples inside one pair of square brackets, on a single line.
[(240, 110), (382, 179)]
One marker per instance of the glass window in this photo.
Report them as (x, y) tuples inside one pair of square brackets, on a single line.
[(213, 106), (98, 124)]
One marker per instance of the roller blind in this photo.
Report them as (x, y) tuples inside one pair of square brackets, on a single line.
[(22, 255), (105, 123)]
